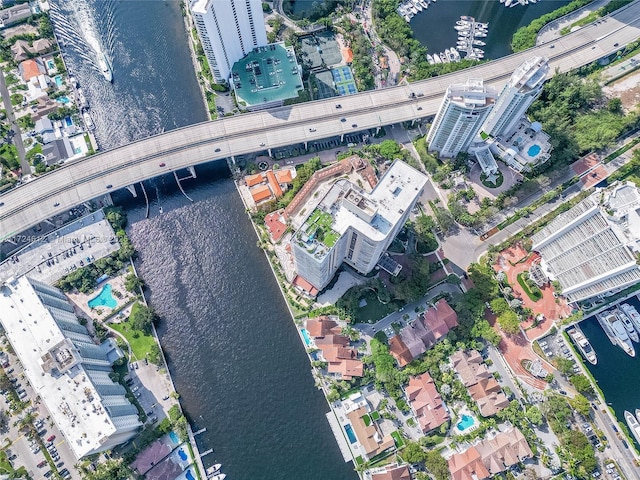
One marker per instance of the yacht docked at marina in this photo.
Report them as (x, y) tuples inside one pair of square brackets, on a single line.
[(583, 344), (616, 332), (631, 312), (628, 325), (634, 425)]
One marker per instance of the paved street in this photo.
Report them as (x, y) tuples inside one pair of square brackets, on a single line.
[(551, 31)]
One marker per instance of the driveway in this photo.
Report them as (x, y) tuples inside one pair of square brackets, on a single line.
[(409, 309)]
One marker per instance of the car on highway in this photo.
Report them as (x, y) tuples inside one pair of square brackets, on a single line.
[(109, 186), (57, 204), (163, 164)]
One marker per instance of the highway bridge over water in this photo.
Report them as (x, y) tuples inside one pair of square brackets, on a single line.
[(82, 180)]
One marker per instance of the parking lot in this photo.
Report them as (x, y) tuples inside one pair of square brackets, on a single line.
[(50, 257), (27, 443)]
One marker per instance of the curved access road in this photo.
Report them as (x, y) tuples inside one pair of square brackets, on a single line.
[(88, 178)]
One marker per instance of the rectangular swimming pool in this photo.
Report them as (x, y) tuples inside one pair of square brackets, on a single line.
[(305, 335), (350, 434)]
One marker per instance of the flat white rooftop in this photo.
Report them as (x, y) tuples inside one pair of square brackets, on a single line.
[(71, 398)]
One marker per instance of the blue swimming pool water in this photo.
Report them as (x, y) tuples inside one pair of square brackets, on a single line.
[(104, 299), (63, 100), (68, 121), (305, 335), (182, 454), (534, 150), (174, 437), (189, 475), (465, 423), (51, 64), (350, 434), (58, 80)]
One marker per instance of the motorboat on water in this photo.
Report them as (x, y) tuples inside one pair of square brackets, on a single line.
[(479, 43), (631, 312), (424, 4), (444, 58), (480, 34), (213, 469), (455, 54), (430, 59), (88, 121), (220, 476), (634, 425), (628, 325), (587, 351), (436, 58), (482, 25), (616, 332), (105, 67), (462, 28), (416, 4)]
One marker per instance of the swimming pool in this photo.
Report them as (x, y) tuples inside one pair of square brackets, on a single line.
[(51, 64), (534, 150), (350, 434), (174, 437), (58, 80), (465, 422), (305, 335), (104, 298), (68, 122), (189, 475), (64, 100), (182, 454)]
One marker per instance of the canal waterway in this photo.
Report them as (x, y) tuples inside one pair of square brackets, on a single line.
[(231, 345), (154, 84), (617, 374), (434, 27)]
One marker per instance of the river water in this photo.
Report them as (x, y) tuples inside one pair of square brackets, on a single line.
[(232, 348), (434, 27)]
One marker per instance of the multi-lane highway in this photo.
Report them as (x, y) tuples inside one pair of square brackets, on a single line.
[(88, 178)]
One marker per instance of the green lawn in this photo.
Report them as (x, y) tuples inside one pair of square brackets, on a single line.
[(139, 342), (397, 439), (532, 292), (366, 419), (373, 310), (375, 415)]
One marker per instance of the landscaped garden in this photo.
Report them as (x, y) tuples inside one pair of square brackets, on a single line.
[(529, 287), (140, 341), (320, 227)]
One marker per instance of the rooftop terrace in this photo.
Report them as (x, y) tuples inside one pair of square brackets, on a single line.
[(266, 75)]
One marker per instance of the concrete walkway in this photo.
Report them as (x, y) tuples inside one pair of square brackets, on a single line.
[(551, 31), (17, 134)]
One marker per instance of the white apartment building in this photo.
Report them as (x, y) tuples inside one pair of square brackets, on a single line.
[(592, 248), (228, 29), (66, 369), (517, 95), (353, 226), (462, 113)]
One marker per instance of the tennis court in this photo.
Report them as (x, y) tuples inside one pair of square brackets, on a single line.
[(343, 80)]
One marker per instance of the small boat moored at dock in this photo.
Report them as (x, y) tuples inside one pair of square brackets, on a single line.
[(628, 325)]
